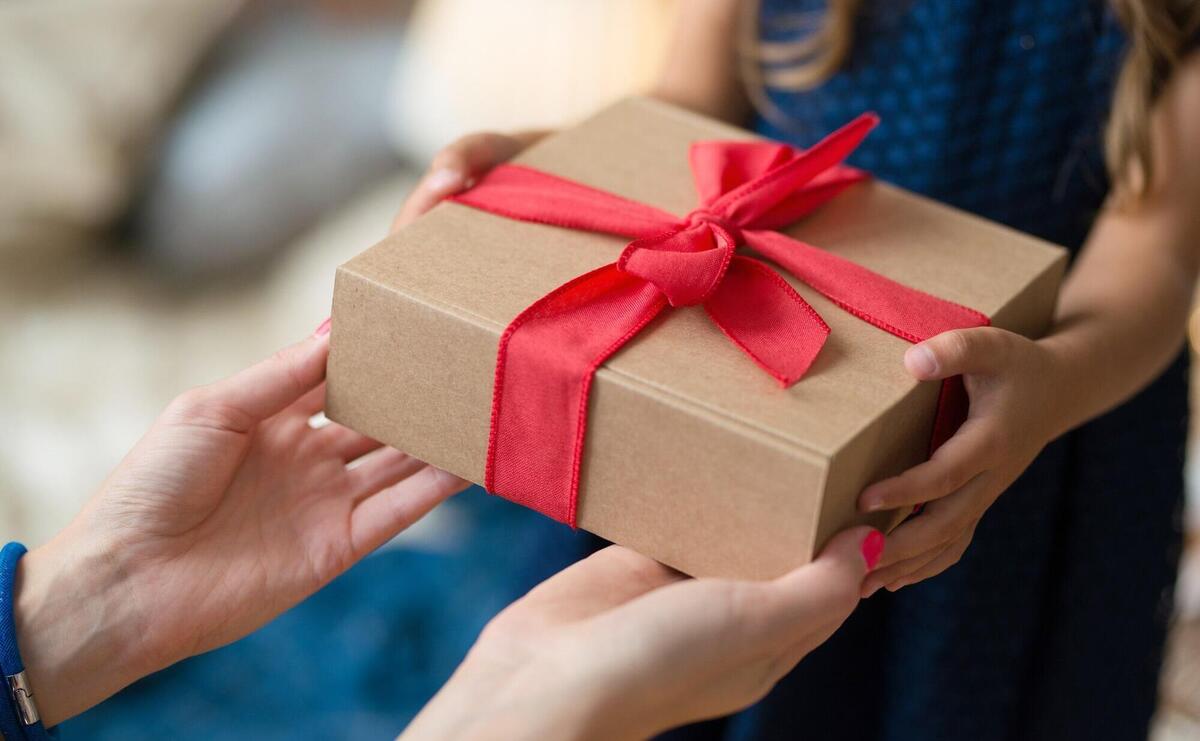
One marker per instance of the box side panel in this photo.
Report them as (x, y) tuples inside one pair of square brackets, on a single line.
[(400, 369), (701, 495), (896, 440), (692, 489)]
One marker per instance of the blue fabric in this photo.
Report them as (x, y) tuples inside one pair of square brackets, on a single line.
[(1052, 625)]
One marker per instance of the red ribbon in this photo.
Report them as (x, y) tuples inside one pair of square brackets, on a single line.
[(549, 354)]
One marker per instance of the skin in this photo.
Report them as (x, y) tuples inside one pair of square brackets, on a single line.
[(672, 650), (230, 510), (1120, 319)]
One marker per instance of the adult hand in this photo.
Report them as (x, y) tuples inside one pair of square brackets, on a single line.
[(1012, 416), (618, 646), (458, 166), (229, 511)]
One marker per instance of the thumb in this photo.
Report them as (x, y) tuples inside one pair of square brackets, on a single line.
[(827, 590), (977, 351), (269, 386)]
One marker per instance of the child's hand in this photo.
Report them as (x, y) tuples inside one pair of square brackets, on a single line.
[(1010, 382), (457, 167)]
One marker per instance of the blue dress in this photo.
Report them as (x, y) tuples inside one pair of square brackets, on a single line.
[(1052, 625)]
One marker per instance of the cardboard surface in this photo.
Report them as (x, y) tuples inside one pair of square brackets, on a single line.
[(694, 456)]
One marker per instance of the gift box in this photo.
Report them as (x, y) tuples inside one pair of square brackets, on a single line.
[(676, 335)]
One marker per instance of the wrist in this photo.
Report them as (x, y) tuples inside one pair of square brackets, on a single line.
[(1063, 383), (78, 628)]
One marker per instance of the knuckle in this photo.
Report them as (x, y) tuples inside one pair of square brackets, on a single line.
[(193, 403), (957, 344)]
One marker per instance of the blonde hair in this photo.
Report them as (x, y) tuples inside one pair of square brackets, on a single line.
[(1158, 32)]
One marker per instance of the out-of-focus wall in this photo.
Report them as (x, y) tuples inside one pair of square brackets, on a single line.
[(481, 64), (84, 85)]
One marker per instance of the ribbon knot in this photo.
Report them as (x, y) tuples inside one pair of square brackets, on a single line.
[(687, 264), (704, 216), (549, 354)]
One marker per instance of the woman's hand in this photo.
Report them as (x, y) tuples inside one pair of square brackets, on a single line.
[(229, 511), (1010, 382), (458, 166), (618, 646)]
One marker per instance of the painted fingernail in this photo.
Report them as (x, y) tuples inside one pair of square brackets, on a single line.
[(324, 327), (444, 181), (872, 549), (920, 361)]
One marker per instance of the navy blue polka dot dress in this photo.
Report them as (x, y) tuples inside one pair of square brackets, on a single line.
[(1052, 625)]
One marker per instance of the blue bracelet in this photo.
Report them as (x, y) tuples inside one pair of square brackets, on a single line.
[(19, 719)]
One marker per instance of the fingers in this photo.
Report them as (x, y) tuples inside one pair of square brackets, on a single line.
[(890, 574), (344, 443), (383, 515), (946, 558), (960, 459), (455, 169), (261, 391), (827, 588), (980, 350), (380, 468), (606, 579), (939, 524)]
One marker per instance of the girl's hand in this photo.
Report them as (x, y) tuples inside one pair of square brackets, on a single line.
[(458, 166), (1010, 382), (229, 511), (618, 646)]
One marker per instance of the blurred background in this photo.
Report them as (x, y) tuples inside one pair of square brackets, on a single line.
[(178, 181)]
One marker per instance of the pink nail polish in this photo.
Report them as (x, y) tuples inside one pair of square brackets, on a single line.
[(324, 327), (872, 549)]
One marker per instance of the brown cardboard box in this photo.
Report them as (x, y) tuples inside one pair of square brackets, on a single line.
[(694, 456)]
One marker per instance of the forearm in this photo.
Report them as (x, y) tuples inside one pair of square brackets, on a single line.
[(77, 627), (701, 69), (1122, 315)]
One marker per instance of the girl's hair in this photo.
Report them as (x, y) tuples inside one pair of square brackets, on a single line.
[(1159, 32)]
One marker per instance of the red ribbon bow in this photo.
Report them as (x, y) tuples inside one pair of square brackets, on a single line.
[(550, 352)]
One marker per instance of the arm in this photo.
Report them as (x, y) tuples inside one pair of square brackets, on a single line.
[(1121, 318), (701, 67)]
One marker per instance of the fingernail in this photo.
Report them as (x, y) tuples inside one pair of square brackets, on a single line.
[(870, 502), (872, 549), (324, 327), (920, 361), (444, 181)]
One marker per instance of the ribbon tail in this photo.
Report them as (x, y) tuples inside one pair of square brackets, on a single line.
[(765, 317), (526, 194), (546, 360), (893, 307)]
